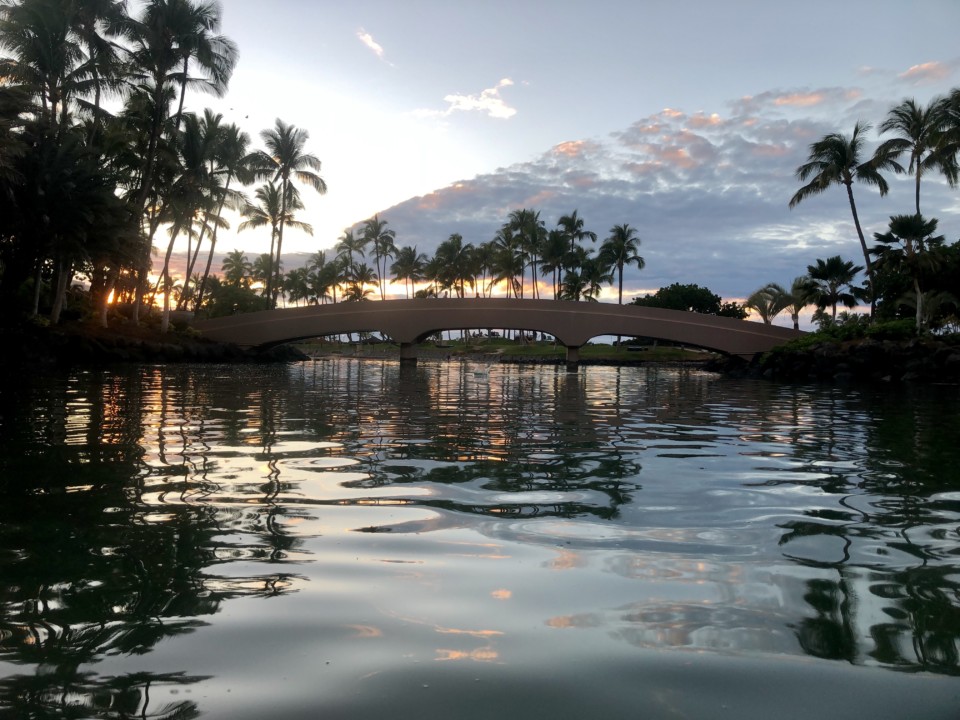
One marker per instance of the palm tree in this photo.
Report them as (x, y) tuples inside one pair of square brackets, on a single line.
[(453, 264), (529, 229), (801, 292), (271, 212), (829, 278), (919, 131), (508, 261), (361, 277), (554, 256), (215, 55), (409, 267), (237, 270), (769, 301), (233, 163), (349, 245), (618, 250), (376, 234), (837, 159), (286, 160), (911, 248)]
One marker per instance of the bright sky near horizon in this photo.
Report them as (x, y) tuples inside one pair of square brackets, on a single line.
[(686, 120)]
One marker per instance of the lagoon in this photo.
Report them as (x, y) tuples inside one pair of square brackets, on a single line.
[(352, 538)]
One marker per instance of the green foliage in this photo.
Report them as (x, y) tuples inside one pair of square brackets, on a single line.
[(693, 298), (233, 300)]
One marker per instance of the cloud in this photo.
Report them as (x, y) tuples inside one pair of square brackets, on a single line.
[(926, 73), (488, 102), (367, 39), (708, 192)]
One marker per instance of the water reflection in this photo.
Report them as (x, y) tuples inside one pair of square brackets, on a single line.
[(659, 508)]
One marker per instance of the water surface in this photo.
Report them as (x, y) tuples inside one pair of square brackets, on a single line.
[(351, 539)]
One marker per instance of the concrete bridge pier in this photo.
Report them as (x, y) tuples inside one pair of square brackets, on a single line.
[(408, 353), (573, 358)]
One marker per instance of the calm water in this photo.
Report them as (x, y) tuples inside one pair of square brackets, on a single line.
[(343, 539)]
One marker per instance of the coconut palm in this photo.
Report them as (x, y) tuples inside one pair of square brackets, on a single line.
[(272, 212), (350, 246), (286, 160), (233, 163), (555, 250), (619, 250), (237, 270), (531, 233), (382, 240), (409, 266), (837, 159), (572, 227), (456, 263), (918, 133), (832, 283), (361, 277)]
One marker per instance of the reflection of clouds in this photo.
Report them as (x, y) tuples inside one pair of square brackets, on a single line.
[(688, 626), (484, 655)]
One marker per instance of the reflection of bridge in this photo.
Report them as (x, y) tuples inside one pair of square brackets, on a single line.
[(409, 322)]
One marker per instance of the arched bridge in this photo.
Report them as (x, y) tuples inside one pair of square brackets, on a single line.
[(410, 322)]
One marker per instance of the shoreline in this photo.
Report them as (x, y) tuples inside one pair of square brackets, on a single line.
[(916, 360)]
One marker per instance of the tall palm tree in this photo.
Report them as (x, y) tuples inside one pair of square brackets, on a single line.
[(454, 268), (918, 133), (529, 229), (409, 267), (832, 283), (215, 55), (232, 163), (382, 240), (237, 270), (270, 213), (837, 159), (508, 261), (618, 250), (286, 160), (361, 277), (572, 226), (553, 259)]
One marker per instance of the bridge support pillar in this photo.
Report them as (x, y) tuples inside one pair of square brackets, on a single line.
[(408, 353), (573, 358)]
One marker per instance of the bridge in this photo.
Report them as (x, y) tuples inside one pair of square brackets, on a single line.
[(573, 324)]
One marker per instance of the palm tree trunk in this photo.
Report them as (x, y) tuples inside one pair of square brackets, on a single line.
[(863, 246), (166, 280)]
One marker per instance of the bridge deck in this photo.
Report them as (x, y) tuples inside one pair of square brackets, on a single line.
[(409, 322)]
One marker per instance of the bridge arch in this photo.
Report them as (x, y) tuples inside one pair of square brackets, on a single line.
[(410, 322)]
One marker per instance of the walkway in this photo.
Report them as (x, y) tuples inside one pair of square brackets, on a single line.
[(410, 322)]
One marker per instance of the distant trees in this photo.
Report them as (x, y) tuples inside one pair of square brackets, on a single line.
[(692, 298)]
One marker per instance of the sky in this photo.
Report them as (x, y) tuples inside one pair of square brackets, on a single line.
[(686, 120)]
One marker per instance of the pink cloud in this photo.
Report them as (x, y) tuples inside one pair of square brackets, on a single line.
[(926, 72)]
